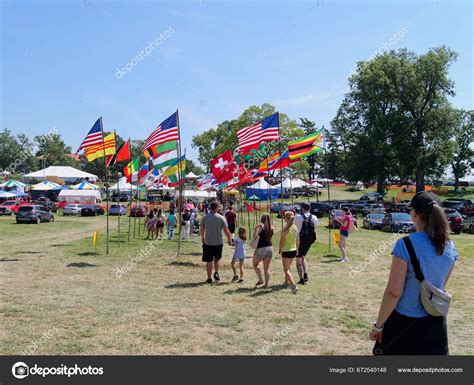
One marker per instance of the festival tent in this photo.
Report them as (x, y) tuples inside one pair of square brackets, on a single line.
[(314, 184), (85, 186), (198, 194), (79, 196), (46, 185), (262, 190), (289, 184), (191, 175), (123, 185), (18, 193), (67, 173), (13, 185), (6, 194)]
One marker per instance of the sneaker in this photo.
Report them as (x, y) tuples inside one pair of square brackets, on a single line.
[(235, 278), (305, 277), (294, 290), (241, 280), (343, 260), (209, 280), (216, 276), (302, 281)]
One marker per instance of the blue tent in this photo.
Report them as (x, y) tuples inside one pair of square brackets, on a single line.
[(19, 193), (262, 190)]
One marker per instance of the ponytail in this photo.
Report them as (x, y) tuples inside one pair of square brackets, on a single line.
[(436, 226)]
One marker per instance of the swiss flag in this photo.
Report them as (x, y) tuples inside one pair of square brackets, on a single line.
[(223, 165)]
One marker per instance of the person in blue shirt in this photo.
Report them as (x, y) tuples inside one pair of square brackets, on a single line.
[(403, 327)]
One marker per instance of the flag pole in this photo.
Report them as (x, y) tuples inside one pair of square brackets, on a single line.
[(180, 189), (106, 187), (281, 171), (130, 213), (118, 192), (329, 190), (138, 204)]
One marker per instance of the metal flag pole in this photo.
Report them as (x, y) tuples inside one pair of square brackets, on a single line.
[(130, 213), (118, 193), (180, 189), (281, 171), (106, 187)]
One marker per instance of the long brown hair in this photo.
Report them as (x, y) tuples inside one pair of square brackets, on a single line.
[(242, 233), (436, 225), (267, 226)]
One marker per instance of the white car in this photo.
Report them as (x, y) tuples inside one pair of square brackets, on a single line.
[(72, 209)]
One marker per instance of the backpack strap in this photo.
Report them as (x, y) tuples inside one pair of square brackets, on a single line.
[(414, 260)]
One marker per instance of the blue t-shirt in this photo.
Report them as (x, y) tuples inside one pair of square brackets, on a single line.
[(434, 267), (171, 220)]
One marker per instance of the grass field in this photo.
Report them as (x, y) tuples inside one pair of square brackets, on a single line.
[(60, 296)]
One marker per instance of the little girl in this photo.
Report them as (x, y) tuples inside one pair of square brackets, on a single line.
[(239, 255)]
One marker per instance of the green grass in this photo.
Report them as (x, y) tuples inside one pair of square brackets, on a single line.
[(52, 277)]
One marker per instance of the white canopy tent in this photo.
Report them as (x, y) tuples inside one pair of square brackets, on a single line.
[(289, 184), (198, 194), (66, 173), (191, 175), (81, 196), (122, 185)]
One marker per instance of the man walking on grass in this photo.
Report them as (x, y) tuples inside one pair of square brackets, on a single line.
[(306, 224), (211, 228)]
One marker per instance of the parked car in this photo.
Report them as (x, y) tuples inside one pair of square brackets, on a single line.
[(457, 205), (398, 222), (374, 208), (92, 210), (371, 197), (468, 225), (296, 208), (373, 221), (117, 210), (9, 207), (138, 211), (48, 204), (469, 211), (454, 219), (338, 214), (276, 208), (319, 209), (358, 207), (398, 208), (119, 197), (72, 209), (34, 214)]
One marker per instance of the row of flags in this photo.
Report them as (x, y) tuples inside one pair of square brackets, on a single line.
[(167, 165)]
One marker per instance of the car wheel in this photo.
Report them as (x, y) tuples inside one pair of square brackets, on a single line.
[(18, 222), (472, 229), (38, 220), (51, 219), (371, 226), (392, 229)]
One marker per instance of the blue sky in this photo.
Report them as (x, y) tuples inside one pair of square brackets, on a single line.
[(59, 59)]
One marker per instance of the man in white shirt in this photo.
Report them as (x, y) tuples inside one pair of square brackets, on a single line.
[(307, 238)]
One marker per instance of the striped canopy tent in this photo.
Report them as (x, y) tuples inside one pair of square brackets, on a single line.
[(85, 186), (46, 185), (13, 184), (6, 194)]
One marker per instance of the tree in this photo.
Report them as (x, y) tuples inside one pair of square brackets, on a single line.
[(52, 151), (16, 153), (463, 156), (308, 127), (192, 167)]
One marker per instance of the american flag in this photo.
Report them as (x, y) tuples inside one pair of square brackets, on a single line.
[(263, 131), (94, 137), (165, 132)]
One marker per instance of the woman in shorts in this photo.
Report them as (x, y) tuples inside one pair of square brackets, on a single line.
[(344, 232), (289, 244), (160, 223), (264, 250)]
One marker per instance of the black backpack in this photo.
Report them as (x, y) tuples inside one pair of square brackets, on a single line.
[(307, 232)]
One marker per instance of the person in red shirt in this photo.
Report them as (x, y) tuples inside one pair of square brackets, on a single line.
[(231, 218)]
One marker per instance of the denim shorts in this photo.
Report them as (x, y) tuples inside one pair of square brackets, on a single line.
[(264, 252), (344, 233)]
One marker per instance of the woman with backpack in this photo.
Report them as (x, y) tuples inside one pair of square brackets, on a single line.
[(306, 224), (412, 315)]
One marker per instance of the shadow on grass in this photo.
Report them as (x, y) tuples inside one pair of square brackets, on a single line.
[(81, 264), (186, 285), (27, 252), (334, 258), (270, 290), (59, 245), (9, 260), (194, 254), (185, 264), (241, 290), (87, 254)]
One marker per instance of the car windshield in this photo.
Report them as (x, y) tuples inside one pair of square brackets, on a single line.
[(401, 216), (9, 203), (26, 208), (338, 213), (377, 216)]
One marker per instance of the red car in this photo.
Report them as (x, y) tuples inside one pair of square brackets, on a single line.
[(454, 219), (9, 207)]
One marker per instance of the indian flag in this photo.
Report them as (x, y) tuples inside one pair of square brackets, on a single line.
[(309, 145)]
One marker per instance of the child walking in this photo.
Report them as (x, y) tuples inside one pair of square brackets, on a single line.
[(240, 244)]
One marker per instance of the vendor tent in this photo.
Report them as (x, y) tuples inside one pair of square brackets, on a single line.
[(85, 186), (191, 175), (289, 184), (13, 185), (263, 190), (198, 194), (46, 186), (79, 196), (123, 185), (66, 173), (6, 194)]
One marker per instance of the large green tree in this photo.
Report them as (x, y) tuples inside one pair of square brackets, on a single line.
[(16, 153), (52, 150), (463, 154)]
